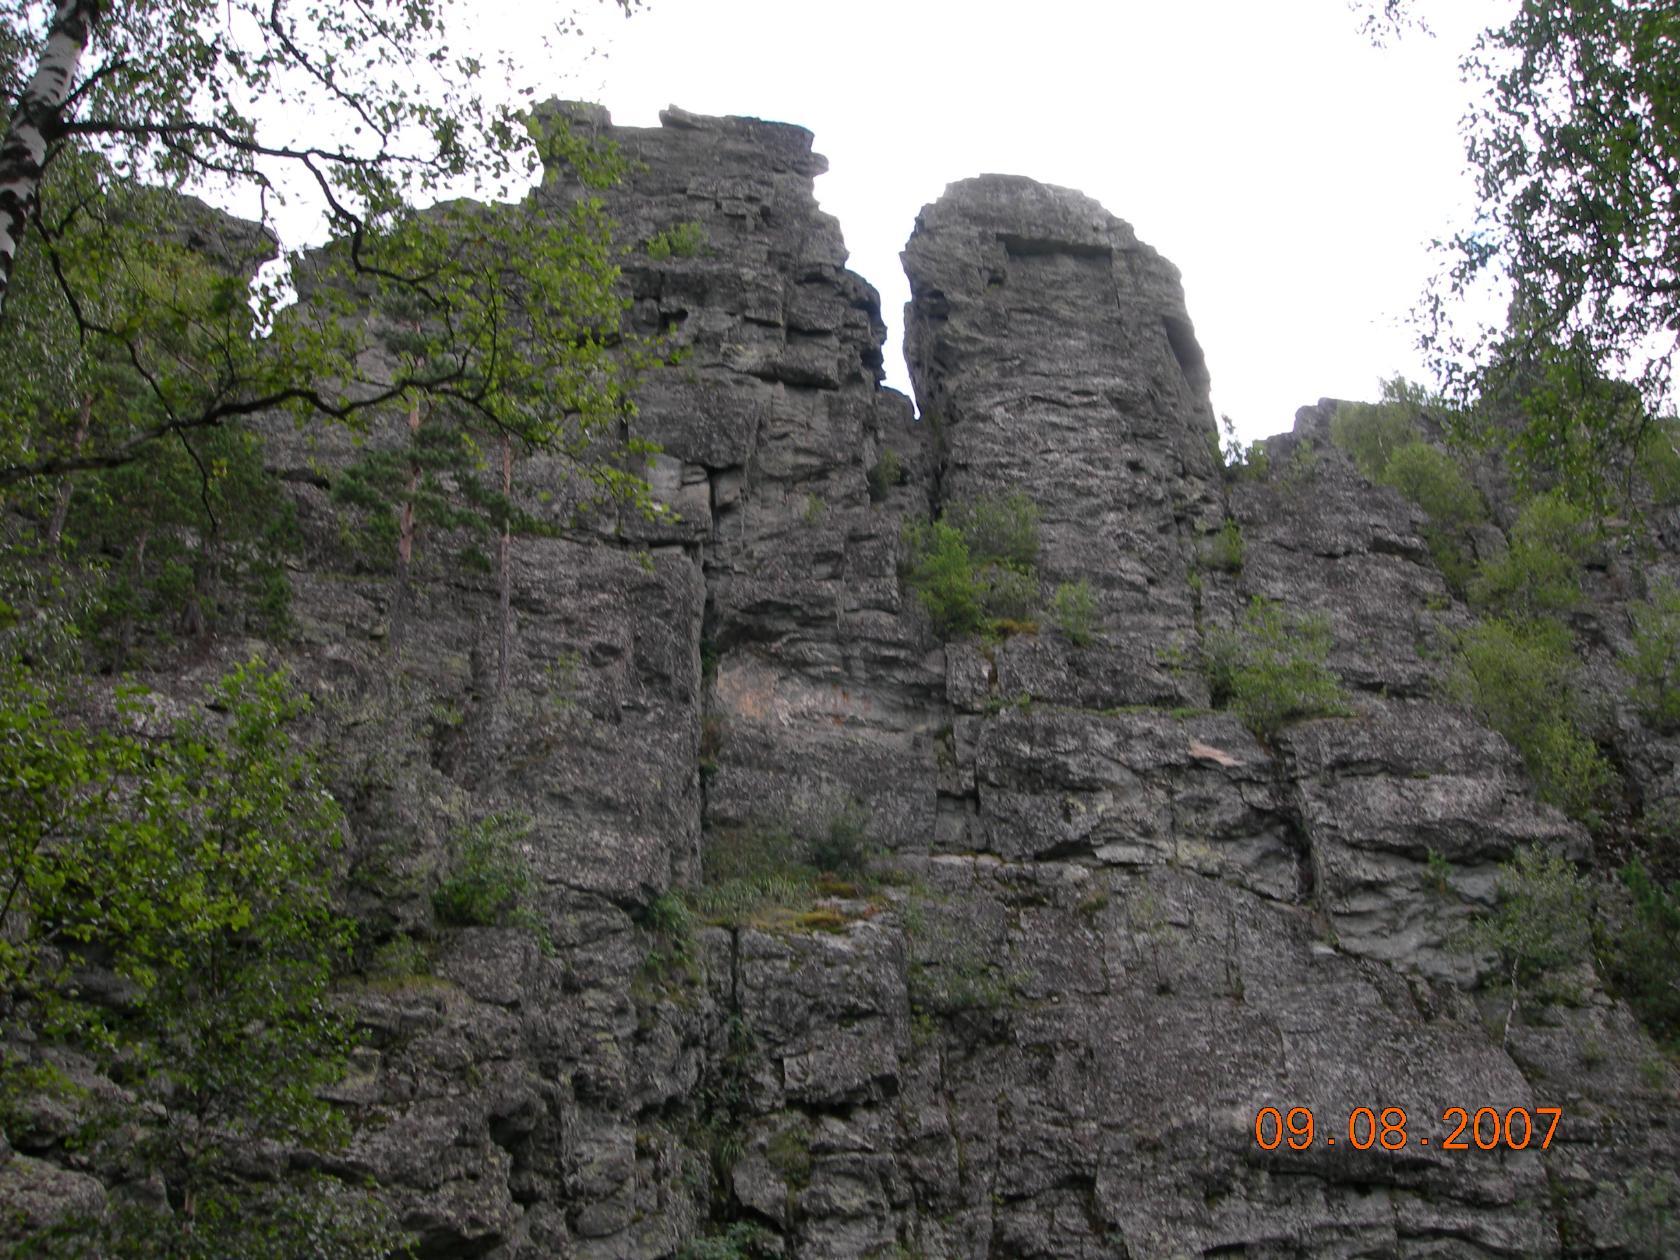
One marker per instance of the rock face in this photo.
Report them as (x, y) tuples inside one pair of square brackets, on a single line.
[(1119, 924), (1054, 350)]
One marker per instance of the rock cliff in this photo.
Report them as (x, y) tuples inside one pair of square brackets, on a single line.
[(1107, 924)]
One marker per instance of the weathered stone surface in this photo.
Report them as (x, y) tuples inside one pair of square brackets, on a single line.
[(1117, 924), (1054, 351), (38, 1194)]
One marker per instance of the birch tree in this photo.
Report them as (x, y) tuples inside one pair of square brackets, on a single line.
[(1573, 142), (361, 111), (37, 117)]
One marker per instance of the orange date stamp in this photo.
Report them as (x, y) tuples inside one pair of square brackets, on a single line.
[(1485, 1129)]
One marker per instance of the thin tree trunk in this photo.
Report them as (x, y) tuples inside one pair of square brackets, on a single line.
[(23, 155), (125, 634), (506, 591), (405, 529), (207, 583), (61, 509)]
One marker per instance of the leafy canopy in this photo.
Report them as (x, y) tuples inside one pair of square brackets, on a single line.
[(1574, 144), (145, 303), (189, 863)]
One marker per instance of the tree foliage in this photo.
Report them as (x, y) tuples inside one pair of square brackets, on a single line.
[(165, 907), (144, 344), (1577, 155), (1573, 146), (138, 311)]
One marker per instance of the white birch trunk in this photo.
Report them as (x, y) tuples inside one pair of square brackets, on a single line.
[(23, 154)]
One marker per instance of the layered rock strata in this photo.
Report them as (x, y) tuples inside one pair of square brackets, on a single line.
[(1113, 926)]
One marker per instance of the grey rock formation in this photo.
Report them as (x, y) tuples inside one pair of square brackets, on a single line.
[(1118, 925), (1054, 351)]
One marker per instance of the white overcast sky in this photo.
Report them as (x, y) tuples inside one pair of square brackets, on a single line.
[(1293, 173)]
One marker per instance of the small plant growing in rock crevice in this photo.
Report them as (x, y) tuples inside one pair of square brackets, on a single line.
[(739, 1241), (748, 874), (844, 848), (1073, 611), (1302, 468), (1224, 550), (789, 1153), (489, 882), (1270, 668), (951, 971), (681, 240), (670, 959), (975, 567), (770, 878), (714, 733), (1439, 872), (667, 917), (889, 471), (1147, 919)]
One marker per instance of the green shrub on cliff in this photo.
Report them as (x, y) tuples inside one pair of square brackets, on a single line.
[(1225, 550), (1643, 941), (1370, 433), (1430, 478), (740, 1241), (187, 867), (1270, 669), (1385, 444), (999, 531), (887, 472), (489, 883), (1540, 932), (976, 566), (943, 576), (1654, 662), (844, 848), (681, 240), (1539, 575), (1073, 609), (1519, 676)]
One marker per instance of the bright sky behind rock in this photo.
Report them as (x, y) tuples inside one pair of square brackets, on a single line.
[(1293, 173)]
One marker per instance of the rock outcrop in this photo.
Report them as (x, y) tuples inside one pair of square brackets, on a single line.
[(1115, 925)]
